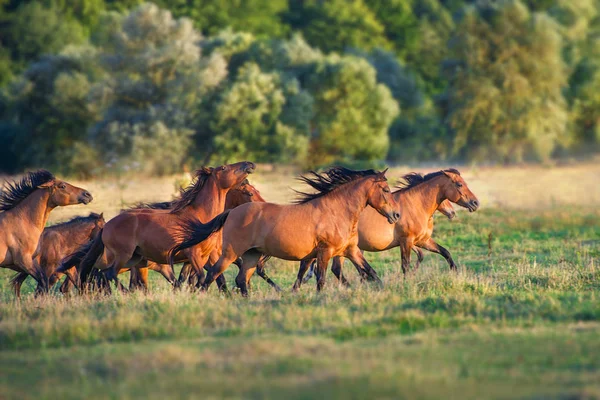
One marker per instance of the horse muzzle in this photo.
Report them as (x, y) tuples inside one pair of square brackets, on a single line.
[(249, 167), (85, 197), (393, 217), (473, 205)]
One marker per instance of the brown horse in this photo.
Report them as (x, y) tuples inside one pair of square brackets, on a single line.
[(444, 208), (25, 206), (418, 199), (245, 193), (133, 236), (321, 225), (58, 241)]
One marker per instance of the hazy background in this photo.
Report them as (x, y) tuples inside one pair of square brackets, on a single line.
[(97, 87)]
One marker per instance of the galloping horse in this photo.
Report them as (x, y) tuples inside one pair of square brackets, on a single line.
[(133, 236), (58, 241), (245, 193), (444, 208), (321, 225), (26, 206), (418, 199)]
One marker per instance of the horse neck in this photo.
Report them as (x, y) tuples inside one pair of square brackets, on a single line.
[(35, 208), (347, 201), (427, 195), (210, 201)]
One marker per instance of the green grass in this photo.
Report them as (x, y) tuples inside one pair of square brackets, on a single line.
[(519, 321)]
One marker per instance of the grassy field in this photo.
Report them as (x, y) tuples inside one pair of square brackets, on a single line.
[(521, 318)]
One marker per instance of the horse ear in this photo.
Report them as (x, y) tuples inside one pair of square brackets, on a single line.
[(47, 184), (381, 175), (101, 215), (447, 173)]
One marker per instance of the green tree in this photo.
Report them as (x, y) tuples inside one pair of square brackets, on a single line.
[(506, 73), (256, 120), (354, 112)]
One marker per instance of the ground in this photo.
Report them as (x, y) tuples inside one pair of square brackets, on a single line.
[(520, 319)]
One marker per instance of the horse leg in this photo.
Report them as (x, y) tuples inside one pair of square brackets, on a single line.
[(419, 254), (323, 257), (249, 261), (336, 268), (260, 270), (432, 246), (226, 259), (362, 265), (163, 269), (26, 263), (221, 282), (184, 274), (304, 264), (405, 249)]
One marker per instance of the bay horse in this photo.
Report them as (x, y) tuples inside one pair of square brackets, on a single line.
[(445, 208), (321, 224), (418, 199), (26, 205), (133, 236), (245, 193), (57, 242)]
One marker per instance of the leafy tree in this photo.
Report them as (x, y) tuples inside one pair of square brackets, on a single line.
[(336, 25), (506, 74), (250, 120), (354, 112)]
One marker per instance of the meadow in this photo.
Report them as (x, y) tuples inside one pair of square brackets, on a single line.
[(520, 319)]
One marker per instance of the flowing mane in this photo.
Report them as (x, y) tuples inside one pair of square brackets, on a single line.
[(187, 195), (327, 181), (413, 179), (93, 217), (16, 191), (160, 205)]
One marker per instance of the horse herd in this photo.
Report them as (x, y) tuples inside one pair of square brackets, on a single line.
[(219, 220)]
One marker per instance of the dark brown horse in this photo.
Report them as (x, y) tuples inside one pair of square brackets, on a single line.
[(321, 225), (418, 199), (57, 242), (26, 205), (134, 236)]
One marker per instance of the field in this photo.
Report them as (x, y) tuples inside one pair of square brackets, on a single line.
[(521, 318)]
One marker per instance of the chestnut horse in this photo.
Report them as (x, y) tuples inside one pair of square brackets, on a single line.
[(133, 236), (419, 198), (444, 208), (321, 225), (245, 193), (58, 241), (26, 206)]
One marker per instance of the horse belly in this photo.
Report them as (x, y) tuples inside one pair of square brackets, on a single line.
[(375, 234)]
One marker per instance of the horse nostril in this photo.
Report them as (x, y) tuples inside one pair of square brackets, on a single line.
[(396, 215), (475, 203)]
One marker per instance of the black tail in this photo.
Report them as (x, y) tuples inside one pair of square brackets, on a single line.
[(84, 258), (193, 232), (17, 281)]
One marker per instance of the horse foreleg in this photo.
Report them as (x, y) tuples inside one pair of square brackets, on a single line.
[(432, 246), (419, 254), (405, 249), (185, 275), (336, 268), (260, 270), (304, 264), (362, 265), (323, 257)]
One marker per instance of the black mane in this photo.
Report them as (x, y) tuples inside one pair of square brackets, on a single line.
[(414, 178), (329, 180), (160, 205), (16, 191), (75, 221)]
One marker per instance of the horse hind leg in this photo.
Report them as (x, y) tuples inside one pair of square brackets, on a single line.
[(249, 263)]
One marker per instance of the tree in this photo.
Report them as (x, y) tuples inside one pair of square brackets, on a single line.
[(506, 76), (256, 120), (354, 112)]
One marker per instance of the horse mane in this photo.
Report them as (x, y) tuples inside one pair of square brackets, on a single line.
[(160, 205), (75, 221), (413, 179), (187, 195), (16, 191), (329, 180)]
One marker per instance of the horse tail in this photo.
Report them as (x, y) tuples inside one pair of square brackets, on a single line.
[(84, 258), (193, 232), (16, 282)]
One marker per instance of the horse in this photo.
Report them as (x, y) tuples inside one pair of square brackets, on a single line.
[(133, 236), (321, 224), (245, 193), (58, 241), (26, 205), (445, 208), (418, 198)]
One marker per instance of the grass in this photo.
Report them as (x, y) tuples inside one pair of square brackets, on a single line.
[(521, 319)]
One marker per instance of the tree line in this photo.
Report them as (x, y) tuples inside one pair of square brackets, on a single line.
[(88, 86)]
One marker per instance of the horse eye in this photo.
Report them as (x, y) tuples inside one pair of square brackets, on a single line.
[(459, 185), (387, 190), (62, 186)]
